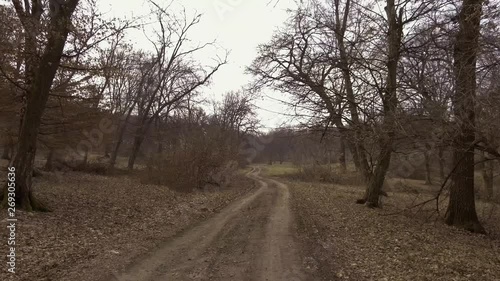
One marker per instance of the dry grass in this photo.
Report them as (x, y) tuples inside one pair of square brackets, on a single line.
[(352, 242), (101, 223), (313, 173), (278, 170)]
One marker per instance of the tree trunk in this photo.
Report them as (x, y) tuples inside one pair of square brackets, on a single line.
[(487, 174), (7, 150), (462, 208), (428, 179), (441, 162), (107, 150), (6, 153), (496, 188), (25, 157), (376, 183), (119, 140), (116, 149), (24, 161), (138, 139), (85, 158), (342, 161), (358, 154), (49, 163), (159, 135), (390, 103), (38, 86), (355, 138)]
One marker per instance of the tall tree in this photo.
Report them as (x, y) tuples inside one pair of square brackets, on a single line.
[(390, 104), (40, 70), (462, 209), (172, 74)]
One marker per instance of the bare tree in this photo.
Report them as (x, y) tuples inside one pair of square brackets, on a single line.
[(173, 75), (39, 75)]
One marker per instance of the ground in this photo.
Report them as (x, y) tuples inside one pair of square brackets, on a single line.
[(265, 227), (346, 241), (99, 224), (249, 240), (349, 242)]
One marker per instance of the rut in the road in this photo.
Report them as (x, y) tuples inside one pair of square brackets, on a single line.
[(248, 240)]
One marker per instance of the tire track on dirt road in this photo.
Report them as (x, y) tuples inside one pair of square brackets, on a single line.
[(248, 240)]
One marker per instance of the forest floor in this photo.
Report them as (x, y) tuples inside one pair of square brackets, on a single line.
[(266, 226), (251, 239), (100, 224), (347, 241)]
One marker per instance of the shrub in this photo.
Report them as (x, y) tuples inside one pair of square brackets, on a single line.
[(201, 160)]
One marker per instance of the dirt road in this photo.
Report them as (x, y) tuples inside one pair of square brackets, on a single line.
[(248, 240)]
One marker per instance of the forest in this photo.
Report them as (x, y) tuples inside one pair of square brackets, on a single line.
[(121, 162)]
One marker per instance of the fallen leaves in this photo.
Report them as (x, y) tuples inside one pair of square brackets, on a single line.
[(352, 242), (100, 224)]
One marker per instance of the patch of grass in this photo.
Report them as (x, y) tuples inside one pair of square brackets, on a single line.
[(278, 170), (245, 170), (313, 173)]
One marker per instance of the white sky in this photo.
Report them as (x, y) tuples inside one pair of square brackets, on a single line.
[(237, 25)]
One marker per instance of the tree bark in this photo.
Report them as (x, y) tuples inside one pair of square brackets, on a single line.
[(119, 140), (487, 167), (8, 150), (441, 162), (138, 139), (116, 149), (85, 158), (462, 209), (428, 179), (376, 183), (49, 163), (342, 161)]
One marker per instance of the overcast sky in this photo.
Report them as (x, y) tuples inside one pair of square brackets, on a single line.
[(237, 25)]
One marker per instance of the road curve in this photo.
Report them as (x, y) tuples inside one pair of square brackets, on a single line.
[(248, 240)]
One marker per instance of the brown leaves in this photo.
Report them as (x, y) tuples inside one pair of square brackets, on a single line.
[(99, 224), (362, 245)]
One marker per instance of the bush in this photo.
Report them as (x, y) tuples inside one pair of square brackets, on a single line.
[(200, 162), (187, 173)]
